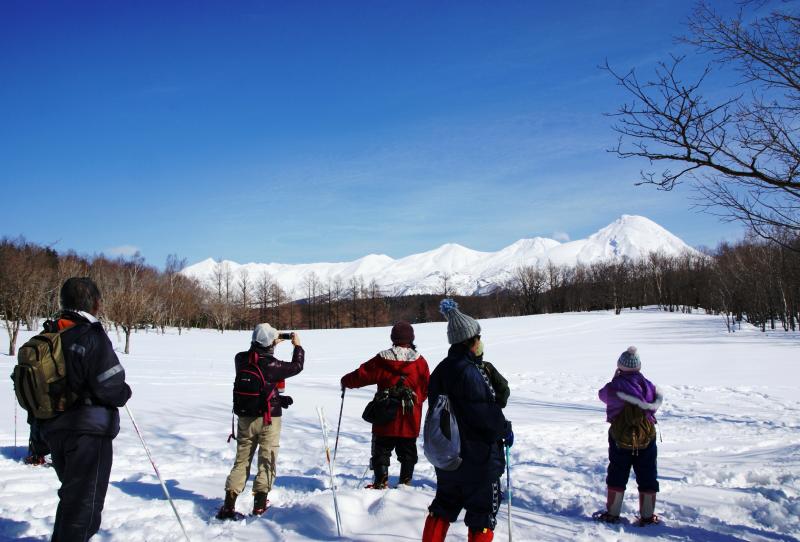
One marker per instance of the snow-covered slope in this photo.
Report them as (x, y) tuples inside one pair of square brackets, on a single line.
[(729, 461), (468, 271)]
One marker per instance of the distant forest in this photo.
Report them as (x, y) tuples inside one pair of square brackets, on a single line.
[(754, 280)]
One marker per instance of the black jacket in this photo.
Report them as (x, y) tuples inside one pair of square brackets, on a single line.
[(95, 374), (273, 369), (481, 423)]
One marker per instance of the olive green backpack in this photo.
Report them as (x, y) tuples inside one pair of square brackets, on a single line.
[(40, 377), (631, 429)]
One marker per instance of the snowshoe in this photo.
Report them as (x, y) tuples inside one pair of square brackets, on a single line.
[(605, 517), (35, 460), (377, 485), (652, 520), (225, 514)]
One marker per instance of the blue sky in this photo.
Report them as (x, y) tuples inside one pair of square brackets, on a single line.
[(323, 131)]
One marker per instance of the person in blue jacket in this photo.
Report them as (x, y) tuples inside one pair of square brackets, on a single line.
[(477, 401)]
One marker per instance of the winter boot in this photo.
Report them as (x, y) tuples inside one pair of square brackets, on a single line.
[(613, 506), (485, 535), (228, 509), (260, 503), (647, 506), (406, 473), (381, 477), (435, 529)]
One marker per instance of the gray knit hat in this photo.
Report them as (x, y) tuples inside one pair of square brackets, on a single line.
[(629, 360), (265, 335), (460, 327)]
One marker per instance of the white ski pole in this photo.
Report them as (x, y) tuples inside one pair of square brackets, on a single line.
[(158, 474), (15, 427), (508, 488), (363, 477), (324, 426)]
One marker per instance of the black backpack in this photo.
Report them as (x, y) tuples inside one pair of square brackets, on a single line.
[(251, 392), (384, 406)]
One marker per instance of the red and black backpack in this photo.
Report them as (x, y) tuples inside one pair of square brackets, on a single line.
[(251, 392)]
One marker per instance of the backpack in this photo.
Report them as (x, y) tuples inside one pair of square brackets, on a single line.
[(39, 377), (384, 406), (251, 392), (631, 429), (442, 445)]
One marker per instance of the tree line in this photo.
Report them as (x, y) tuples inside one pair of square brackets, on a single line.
[(753, 280)]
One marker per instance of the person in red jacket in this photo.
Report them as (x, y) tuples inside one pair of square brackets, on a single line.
[(386, 369)]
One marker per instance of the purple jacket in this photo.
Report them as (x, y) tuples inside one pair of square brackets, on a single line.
[(634, 388)]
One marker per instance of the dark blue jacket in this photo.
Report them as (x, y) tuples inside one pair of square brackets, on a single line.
[(95, 374), (481, 423)]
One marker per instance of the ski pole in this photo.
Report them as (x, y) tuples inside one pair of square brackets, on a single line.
[(338, 426), (158, 474), (363, 476), (508, 488), (16, 452), (324, 426)]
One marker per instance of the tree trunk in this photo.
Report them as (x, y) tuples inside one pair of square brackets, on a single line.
[(127, 330), (13, 333)]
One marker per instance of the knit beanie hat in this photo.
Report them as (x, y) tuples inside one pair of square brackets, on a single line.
[(629, 360), (460, 327), (265, 335), (402, 333)]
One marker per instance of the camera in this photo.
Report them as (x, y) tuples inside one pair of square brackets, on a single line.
[(287, 336)]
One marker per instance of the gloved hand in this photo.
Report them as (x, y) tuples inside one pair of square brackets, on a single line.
[(509, 438), (286, 400)]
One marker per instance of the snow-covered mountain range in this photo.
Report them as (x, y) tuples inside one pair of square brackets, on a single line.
[(467, 271)]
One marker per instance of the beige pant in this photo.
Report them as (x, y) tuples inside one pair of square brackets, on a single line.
[(251, 434)]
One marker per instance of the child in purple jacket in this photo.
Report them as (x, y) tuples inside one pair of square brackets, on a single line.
[(629, 386)]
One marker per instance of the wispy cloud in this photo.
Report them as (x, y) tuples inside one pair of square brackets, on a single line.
[(123, 250), (560, 236)]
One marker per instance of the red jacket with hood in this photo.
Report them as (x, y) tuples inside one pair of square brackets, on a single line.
[(385, 370)]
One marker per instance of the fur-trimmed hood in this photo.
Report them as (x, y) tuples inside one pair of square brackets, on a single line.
[(400, 353), (631, 388), (654, 405)]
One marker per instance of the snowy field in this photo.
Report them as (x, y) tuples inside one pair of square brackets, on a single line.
[(729, 459)]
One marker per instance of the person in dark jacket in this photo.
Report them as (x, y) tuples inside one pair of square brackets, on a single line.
[(399, 364), (477, 405), (261, 432), (80, 437)]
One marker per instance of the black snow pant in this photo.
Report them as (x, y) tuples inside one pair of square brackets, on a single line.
[(37, 445), (405, 448), (620, 461), (481, 501), (83, 465)]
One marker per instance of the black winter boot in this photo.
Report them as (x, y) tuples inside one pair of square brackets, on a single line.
[(381, 477), (228, 509), (406, 473), (260, 503)]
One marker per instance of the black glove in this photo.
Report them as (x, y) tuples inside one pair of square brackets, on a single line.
[(509, 438), (286, 400)]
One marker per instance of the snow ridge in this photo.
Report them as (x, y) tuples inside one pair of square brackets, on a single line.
[(467, 271)]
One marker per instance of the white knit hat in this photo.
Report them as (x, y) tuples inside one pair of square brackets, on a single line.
[(265, 335)]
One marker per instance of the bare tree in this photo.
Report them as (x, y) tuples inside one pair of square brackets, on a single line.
[(741, 152), (221, 306)]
